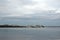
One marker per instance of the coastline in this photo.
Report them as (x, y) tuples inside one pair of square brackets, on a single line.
[(18, 26)]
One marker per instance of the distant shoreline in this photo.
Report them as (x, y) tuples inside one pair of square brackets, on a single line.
[(17, 26)]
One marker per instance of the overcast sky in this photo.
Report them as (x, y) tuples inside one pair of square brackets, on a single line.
[(29, 12)]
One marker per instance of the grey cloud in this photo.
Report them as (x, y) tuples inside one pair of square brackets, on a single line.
[(37, 16), (51, 14), (54, 3), (3, 3), (11, 8), (26, 2)]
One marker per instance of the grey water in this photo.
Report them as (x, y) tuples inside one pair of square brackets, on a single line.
[(47, 33)]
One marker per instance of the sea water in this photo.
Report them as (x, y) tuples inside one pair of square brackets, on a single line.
[(48, 33)]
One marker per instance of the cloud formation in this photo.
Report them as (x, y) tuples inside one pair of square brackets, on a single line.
[(30, 9), (27, 7)]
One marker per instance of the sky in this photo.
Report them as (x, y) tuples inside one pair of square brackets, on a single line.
[(30, 12)]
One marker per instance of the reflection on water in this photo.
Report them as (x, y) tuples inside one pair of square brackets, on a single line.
[(30, 34)]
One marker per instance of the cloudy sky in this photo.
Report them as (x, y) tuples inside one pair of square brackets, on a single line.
[(30, 12)]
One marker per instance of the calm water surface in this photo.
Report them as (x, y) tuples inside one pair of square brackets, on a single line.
[(30, 34)]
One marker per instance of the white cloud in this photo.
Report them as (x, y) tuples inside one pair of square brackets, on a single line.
[(30, 8), (58, 11)]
